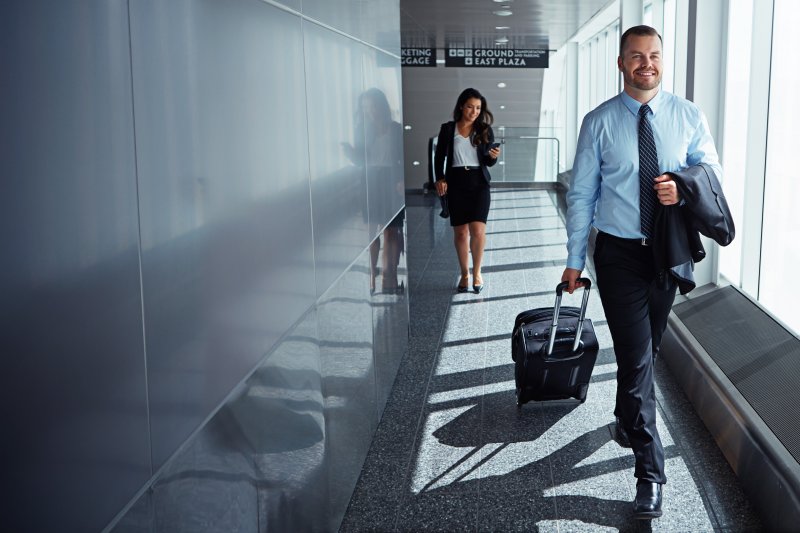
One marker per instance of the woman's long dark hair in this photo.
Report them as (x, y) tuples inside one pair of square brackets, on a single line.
[(480, 128)]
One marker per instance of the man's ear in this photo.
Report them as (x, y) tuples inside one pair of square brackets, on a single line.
[(619, 63)]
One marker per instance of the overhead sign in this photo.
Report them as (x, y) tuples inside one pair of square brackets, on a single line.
[(418, 57), (496, 58)]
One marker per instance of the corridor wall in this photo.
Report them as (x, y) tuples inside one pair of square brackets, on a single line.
[(187, 192)]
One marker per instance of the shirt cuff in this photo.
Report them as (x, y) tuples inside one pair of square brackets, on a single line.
[(576, 262)]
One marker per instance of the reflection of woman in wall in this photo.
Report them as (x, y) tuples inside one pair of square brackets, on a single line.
[(378, 145), (464, 151)]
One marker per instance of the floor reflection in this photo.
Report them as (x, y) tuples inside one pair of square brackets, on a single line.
[(285, 451)]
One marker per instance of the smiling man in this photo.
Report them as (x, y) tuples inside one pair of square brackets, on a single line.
[(626, 149)]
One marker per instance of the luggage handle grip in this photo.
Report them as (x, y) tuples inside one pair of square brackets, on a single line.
[(587, 284)]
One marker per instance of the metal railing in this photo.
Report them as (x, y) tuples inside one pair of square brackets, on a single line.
[(528, 158), (528, 155)]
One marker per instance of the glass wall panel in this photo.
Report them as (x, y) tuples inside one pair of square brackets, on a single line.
[(780, 252), (220, 283), (734, 148), (599, 77), (73, 402)]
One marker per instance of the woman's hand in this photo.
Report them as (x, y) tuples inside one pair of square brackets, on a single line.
[(494, 153), (441, 187)]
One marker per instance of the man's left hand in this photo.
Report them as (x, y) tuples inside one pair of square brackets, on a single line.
[(667, 190)]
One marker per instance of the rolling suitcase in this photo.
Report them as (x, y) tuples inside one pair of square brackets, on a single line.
[(554, 350)]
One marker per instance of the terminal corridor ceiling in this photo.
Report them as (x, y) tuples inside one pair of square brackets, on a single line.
[(473, 23), (429, 93)]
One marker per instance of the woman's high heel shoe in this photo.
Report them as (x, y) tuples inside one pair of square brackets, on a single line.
[(477, 287), (465, 286)]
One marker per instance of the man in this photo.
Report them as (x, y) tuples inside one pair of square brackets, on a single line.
[(625, 148)]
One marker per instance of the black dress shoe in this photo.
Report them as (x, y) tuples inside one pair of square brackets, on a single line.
[(620, 435), (647, 504)]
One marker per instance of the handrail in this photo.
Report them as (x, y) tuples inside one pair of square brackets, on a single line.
[(558, 148), (429, 184)]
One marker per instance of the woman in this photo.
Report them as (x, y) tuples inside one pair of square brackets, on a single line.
[(464, 151)]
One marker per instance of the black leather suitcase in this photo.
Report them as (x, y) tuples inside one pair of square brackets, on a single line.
[(554, 350)]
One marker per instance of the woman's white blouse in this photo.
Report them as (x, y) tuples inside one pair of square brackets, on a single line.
[(464, 154)]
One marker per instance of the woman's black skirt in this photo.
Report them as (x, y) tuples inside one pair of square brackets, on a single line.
[(467, 196)]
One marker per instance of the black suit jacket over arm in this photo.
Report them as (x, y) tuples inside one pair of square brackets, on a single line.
[(677, 245), (443, 160)]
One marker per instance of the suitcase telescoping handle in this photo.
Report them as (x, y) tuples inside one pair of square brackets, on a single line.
[(587, 284)]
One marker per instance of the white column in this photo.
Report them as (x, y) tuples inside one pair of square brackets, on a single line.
[(572, 119), (658, 16), (681, 46), (705, 86), (706, 59), (631, 13)]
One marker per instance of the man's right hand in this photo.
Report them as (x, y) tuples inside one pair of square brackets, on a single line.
[(571, 276)]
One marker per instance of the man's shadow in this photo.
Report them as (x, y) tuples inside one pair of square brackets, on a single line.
[(531, 487)]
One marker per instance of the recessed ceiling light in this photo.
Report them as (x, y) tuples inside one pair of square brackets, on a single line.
[(407, 127), (503, 12), (502, 107), (502, 1), (502, 84), (440, 61), (415, 163), (502, 27), (502, 162), (501, 40)]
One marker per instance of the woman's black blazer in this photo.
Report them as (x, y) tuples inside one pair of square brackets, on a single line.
[(444, 152)]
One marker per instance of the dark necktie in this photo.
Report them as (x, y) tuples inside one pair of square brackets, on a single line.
[(648, 170)]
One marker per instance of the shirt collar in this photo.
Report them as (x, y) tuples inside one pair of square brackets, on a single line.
[(633, 105)]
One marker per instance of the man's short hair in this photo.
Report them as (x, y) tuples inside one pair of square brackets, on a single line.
[(639, 31)]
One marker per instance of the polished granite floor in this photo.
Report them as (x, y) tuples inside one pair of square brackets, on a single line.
[(453, 452)]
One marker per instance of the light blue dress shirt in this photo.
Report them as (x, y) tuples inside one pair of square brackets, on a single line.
[(604, 189)]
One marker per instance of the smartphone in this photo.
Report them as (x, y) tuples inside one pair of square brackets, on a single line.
[(492, 146)]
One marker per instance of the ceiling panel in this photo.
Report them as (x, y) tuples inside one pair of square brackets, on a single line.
[(472, 23)]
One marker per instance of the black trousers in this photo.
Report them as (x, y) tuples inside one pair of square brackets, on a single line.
[(637, 311)]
